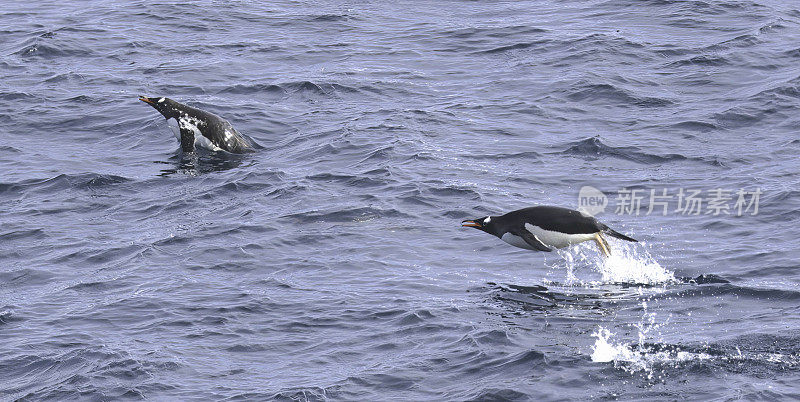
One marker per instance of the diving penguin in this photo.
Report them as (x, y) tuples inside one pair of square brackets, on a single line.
[(198, 128), (544, 228)]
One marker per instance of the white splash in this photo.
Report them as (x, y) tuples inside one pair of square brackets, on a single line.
[(629, 263), (640, 357), (606, 351), (637, 358)]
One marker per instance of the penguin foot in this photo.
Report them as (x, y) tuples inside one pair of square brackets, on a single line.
[(602, 244)]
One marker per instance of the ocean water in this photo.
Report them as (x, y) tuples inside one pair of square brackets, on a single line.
[(331, 264)]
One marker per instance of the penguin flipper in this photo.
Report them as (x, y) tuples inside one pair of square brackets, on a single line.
[(187, 139), (532, 240)]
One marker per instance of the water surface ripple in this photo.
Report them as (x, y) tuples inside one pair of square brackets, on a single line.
[(331, 264)]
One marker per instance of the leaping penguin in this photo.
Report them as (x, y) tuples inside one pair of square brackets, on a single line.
[(198, 128), (544, 228)]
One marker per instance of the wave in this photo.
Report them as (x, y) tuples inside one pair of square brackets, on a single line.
[(515, 46), (47, 46), (281, 88), (26, 277), (697, 126), (298, 394), (346, 215), (249, 183), (584, 47), (330, 18), (84, 181), (360, 180), (566, 300), (704, 279), (94, 372), (594, 147), (724, 288), (526, 155), (702, 61), (781, 99), (28, 234), (248, 89), (18, 96), (500, 394), (738, 117), (609, 94), (493, 32)]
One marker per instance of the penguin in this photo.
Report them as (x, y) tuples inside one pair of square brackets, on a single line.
[(544, 228), (198, 128)]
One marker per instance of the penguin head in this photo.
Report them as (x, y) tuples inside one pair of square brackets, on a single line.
[(165, 106), (485, 224)]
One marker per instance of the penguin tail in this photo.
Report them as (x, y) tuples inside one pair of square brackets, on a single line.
[(618, 235)]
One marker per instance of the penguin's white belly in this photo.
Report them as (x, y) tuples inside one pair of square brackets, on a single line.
[(557, 239)]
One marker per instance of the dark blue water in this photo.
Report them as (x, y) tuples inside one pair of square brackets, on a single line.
[(331, 264)]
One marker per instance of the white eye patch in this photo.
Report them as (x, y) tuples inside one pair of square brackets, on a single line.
[(487, 220), (161, 100)]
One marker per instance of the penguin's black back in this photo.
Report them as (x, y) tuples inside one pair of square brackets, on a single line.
[(556, 219), (215, 129)]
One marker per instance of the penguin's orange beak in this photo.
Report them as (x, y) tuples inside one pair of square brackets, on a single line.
[(470, 224), (146, 100)]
